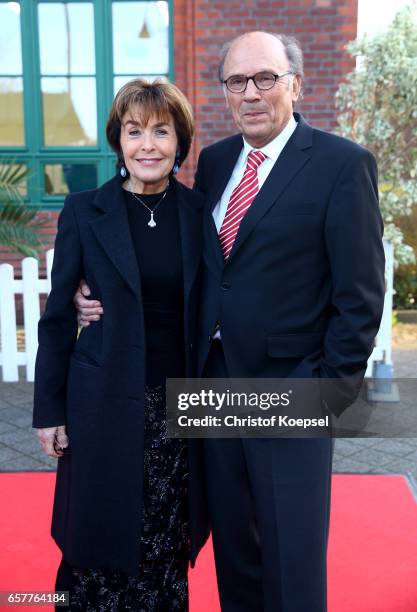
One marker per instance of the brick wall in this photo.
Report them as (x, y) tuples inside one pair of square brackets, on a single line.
[(323, 27)]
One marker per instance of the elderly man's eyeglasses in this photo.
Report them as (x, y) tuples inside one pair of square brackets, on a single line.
[(237, 83)]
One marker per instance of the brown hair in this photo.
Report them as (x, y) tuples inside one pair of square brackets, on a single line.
[(159, 99)]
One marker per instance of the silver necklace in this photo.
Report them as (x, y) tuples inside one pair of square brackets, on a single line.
[(152, 222)]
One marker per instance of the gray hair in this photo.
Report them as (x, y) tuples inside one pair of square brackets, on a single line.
[(291, 46)]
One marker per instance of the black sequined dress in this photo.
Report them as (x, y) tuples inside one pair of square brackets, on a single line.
[(161, 584)]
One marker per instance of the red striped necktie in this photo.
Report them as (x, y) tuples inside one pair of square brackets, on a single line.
[(240, 200)]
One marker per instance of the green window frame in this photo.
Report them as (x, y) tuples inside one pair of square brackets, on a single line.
[(34, 153)]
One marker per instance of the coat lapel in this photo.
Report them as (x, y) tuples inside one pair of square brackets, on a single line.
[(189, 208), (293, 157), (112, 231)]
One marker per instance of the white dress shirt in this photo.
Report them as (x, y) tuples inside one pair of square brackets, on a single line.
[(272, 151)]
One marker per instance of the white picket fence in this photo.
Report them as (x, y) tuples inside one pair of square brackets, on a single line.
[(31, 287)]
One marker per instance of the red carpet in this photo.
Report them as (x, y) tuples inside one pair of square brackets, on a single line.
[(372, 556)]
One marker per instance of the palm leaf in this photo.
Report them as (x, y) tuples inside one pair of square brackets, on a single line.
[(12, 179), (19, 228)]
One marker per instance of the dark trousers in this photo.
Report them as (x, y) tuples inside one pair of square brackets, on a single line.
[(269, 503)]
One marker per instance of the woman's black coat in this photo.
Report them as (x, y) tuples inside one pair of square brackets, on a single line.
[(95, 383)]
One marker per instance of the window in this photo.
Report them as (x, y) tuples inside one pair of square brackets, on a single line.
[(11, 77), (67, 73), (60, 65), (144, 51)]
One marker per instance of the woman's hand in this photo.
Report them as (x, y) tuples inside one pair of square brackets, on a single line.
[(87, 310), (53, 440)]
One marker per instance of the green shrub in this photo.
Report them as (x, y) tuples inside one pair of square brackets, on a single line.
[(405, 285)]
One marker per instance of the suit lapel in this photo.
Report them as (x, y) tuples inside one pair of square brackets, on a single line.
[(211, 240), (223, 168), (113, 233), (293, 157)]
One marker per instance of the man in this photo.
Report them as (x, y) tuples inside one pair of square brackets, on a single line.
[(293, 286)]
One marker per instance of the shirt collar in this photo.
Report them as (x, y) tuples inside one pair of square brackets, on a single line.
[(273, 148)]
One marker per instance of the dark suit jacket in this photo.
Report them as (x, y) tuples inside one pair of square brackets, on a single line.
[(95, 383), (302, 291)]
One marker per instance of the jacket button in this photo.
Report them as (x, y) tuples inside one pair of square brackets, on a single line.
[(191, 345), (209, 338), (226, 286)]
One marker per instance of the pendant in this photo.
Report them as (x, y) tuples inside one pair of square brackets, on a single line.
[(152, 222)]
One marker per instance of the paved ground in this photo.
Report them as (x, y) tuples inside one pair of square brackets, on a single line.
[(20, 450)]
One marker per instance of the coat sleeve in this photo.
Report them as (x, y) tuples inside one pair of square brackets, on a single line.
[(57, 329), (353, 238)]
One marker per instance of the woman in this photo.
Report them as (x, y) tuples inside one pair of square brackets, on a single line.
[(121, 517)]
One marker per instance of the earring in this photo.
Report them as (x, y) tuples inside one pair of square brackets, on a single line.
[(176, 166), (123, 172)]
